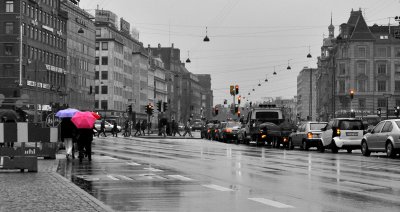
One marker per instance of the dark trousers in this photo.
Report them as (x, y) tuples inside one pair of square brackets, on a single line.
[(85, 149), (102, 131)]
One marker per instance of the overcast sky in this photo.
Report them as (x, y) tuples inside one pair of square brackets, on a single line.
[(248, 38)]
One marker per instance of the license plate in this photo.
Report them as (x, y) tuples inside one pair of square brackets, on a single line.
[(351, 133)]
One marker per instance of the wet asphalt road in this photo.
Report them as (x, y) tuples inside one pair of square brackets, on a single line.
[(138, 174)]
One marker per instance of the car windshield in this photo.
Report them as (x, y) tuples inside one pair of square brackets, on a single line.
[(398, 123), (317, 126), (267, 115), (351, 125), (233, 124)]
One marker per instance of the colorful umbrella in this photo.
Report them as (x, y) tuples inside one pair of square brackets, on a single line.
[(83, 120), (96, 115), (67, 113)]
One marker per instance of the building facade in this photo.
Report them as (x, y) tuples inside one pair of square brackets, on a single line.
[(33, 52), (80, 57), (306, 95), (207, 96)]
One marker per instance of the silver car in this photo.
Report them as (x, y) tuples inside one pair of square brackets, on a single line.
[(307, 135), (384, 137)]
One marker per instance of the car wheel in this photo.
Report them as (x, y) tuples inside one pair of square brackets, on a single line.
[(364, 149), (334, 148), (390, 152), (290, 145), (349, 150), (304, 146)]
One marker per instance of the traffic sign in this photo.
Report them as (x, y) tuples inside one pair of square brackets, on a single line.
[(52, 120)]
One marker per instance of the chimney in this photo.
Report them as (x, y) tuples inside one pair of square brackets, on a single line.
[(172, 45), (159, 46), (148, 46)]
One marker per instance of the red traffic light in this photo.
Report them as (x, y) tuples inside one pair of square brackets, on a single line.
[(351, 94), (237, 89)]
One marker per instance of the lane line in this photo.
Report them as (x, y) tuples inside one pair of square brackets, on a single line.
[(125, 177), (153, 169), (271, 203), (133, 164), (180, 177), (217, 187), (108, 157), (112, 177)]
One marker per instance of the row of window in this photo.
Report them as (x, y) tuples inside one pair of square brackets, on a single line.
[(381, 102), (48, 19), (104, 61), (381, 86), (362, 68), (104, 45), (104, 105), (362, 52), (44, 56), (44, 36)]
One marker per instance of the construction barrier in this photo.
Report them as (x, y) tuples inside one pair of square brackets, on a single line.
[(22, 158), (44, 138)]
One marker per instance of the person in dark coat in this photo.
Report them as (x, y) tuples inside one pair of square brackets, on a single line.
[(144, 126), (137, 128), (115, 129), (85, 138), (175, 129), (102, 129), (67, 133)]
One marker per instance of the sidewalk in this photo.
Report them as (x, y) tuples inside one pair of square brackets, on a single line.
[(45, 190)]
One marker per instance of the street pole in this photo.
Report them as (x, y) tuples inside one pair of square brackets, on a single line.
[(310, 102), (387, 107), (36, 94)]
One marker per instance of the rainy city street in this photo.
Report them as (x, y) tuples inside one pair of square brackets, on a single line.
[(139, 174)]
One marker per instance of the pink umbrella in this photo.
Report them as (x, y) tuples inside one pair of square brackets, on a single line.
[(96, 115), (83, 120)]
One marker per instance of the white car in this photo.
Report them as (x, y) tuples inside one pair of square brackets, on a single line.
[(342, 133), (108, 126)]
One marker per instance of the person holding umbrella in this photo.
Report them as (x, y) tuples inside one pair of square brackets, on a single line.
[(84, 122), (68, 129)]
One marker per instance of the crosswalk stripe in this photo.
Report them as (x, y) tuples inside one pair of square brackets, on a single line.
[(271, 203), (217, 187), (133, 164), (112, 177), (180, 177), (125, 177), (153, 169)]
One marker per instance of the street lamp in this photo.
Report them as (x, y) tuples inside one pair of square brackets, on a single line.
[(188, 60), (206, 39), (309, 52), (288, 66)]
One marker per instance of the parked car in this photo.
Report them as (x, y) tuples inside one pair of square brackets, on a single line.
[(197, 125), (229, 131), (307, 135), (342, 133), (108, 126), (384, 137)]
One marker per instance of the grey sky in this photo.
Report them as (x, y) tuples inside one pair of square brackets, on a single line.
[(248, 37)]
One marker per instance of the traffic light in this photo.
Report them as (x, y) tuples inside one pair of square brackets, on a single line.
[(216, 110), (149, 109), (159, 106), (237, 89), (165, 106), (379, 112), (351, 94), (239, 99), (232, 90), (397, 111), (236, 109), (238, 113), (129, 108)]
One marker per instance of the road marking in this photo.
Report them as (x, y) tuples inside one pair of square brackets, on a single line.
[(271, 203), (180, 177), (363, 185), (217, 187), (108, 157), (133, 164), (153, 169), (112, 177), (125, 177)]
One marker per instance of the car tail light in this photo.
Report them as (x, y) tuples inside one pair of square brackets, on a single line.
[(216, 131), (208, 130), (309, 135), (263, 136), (285, 139), (228, 130), (338, 132)]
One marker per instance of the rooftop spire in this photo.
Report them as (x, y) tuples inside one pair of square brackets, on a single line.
[(331, 29)]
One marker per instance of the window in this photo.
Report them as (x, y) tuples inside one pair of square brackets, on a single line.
[(23, 8), (342, 86), (96, 75), (397, 85), (361, 103), (397, 52), (96, 89), (96, 104), (381, 102), (344, 52), (104, 60), (98, 32), (361, 68), (9, 27), (104, 46), (378, 127), (397, 68), (362, 52), (96, 61), (342, 69), (381, 85), (361, 85), (8, 49), (104, 75), (9, 6), (384, 37), (97, 45), (8, 71), (104, 104), (387, 127), (397, 102), (104, 89), (381, 52), (381, 68)]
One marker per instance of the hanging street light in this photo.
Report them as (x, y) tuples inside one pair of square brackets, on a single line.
[(206, 39), (288, 66), (274, 71), (188, 60), (309, 53)]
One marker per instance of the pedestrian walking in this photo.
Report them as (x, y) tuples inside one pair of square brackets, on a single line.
[(175, 129), (137, 128), (102, 129), (85, 138), (127, 131), (144, 126), (68, 130), (164, 123), (187, 129), (115, 129)]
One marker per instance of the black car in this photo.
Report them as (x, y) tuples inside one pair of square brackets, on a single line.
[(229, 131), (205, 131)]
